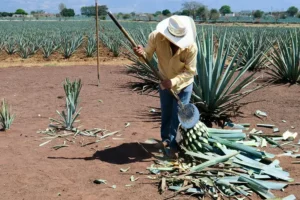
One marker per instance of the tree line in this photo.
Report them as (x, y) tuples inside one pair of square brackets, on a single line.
[(194, 9)]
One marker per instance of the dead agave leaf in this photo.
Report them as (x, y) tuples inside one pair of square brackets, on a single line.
[(129, 185), (289, 135), (113, 186), (127, 124), (163, 186), (151, 177), (260, 113), (100, 181), (132, 179), (125, 170), (44, 143)]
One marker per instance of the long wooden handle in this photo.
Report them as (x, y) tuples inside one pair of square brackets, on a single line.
[(134, 45), (126, 34)]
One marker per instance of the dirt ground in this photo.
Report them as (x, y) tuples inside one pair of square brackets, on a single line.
[(30, 172)]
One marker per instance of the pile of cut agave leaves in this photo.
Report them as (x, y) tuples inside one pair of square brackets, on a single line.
[(235, 169)]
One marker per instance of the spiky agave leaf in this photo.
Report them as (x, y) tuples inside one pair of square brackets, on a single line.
[(72, 91), (285, 59), (6, 118), (149, 82), (217, 90), (91, 47), (253, 42)]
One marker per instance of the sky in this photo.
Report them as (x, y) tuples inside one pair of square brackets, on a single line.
[(149, 6)]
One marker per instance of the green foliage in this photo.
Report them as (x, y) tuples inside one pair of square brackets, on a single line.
[(225, 9), (203, 12), (68, 12), (91, 46), (20, 12), (49, 47), (91, 10), (10, 46), (185, 12), (252, 45), (217, 91), (157, 13), (70, 44), (285, 59), (6, 118), (292, 11), (166, 12), (126, 16), (258, 14), (6, 14), (214, 14), (68, 117)]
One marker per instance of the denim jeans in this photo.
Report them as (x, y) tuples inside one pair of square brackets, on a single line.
[(169, 116)]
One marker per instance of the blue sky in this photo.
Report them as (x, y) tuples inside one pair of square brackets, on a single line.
[(144, 5)]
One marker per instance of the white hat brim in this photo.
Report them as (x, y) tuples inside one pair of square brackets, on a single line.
[(182, 42)]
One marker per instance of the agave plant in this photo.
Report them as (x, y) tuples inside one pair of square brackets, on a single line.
[(49, 47), (72, 91), (26, 49), (217, 90), (68, 118), (252, 43), (10, 46), (91, 46), (6, 118), (69, 44), (148, 81), (285, 59)]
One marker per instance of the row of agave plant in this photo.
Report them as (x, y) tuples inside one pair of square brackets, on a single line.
[(66, 44), (224, 65)]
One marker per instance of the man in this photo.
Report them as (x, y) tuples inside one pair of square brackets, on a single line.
[(176, 50)]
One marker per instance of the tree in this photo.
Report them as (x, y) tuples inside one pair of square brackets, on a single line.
[(292, 11), (166, 12), (192, 7), (150, 17), (258, 14), (185, 12), (225, 10), (126, 16), (157, 13), (21, 12), (214, 14), (61, 7), (132, 14), (37, 13), (120, 15), (91, 10), (202, 12), (298, 15), (68, 12)]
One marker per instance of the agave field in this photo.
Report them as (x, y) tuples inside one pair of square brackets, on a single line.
[(215, 162)]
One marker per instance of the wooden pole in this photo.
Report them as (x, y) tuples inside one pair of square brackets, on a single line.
[(97, 37)]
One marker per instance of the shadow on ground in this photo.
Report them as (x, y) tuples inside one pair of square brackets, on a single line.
[(123, 154)]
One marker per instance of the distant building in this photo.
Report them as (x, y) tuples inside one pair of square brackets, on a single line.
[(230, 15), (21, 16), (245, 13)]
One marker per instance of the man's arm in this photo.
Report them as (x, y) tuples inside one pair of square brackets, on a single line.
[(149, 50), (190, 69)]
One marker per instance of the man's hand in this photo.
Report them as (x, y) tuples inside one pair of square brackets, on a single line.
[(139, 50), (166, 84)]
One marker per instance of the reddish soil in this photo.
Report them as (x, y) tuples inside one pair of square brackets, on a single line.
[(31, 172)]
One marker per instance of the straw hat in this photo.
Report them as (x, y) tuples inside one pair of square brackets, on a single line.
[(180, 30)]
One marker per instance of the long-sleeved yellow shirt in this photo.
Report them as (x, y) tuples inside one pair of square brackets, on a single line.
[(180, 68)]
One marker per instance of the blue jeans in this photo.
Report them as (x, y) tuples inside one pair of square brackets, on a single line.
[(169, 116)]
